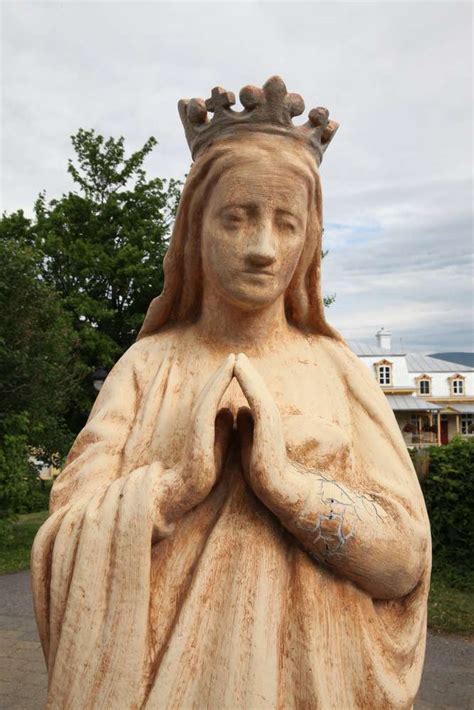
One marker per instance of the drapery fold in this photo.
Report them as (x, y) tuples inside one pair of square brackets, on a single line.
[(228, 610)]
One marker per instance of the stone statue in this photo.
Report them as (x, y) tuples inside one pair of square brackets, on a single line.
[(239, 525)]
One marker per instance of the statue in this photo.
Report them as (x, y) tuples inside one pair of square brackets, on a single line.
[(239, 524)]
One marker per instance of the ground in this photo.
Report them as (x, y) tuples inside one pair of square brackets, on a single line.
[(448, 678)]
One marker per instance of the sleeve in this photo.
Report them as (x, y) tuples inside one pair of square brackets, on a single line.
[(96, 455), (383, 470), (90, 562), (364, 516)]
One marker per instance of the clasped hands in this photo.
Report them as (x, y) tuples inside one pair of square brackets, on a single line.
[(262, 444)]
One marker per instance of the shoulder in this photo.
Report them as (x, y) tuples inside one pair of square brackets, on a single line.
[(152, 347), (145, 356), (334, 350), (338, 355)]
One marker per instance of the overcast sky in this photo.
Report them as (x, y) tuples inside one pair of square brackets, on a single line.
[(397, 178)]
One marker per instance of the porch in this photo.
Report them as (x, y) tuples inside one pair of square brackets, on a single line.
[(424, 423)]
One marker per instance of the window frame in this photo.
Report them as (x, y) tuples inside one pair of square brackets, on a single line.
[(384, 371), (457, 385), (467, 420), (422, 379)]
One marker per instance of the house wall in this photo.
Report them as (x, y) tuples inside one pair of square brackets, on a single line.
[(440, 386), (400, 374)]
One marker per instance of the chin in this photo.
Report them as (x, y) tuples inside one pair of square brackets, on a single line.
[(251, 300)]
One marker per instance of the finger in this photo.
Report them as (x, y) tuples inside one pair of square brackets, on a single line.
[(217, 384), (268, 437), (254, 387), (245, 429), (224, 425), (206, 407)]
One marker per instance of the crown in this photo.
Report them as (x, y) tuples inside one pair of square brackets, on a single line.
[(268, 110)]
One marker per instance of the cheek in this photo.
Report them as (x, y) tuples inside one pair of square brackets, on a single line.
[(219, 251), (290, 252)]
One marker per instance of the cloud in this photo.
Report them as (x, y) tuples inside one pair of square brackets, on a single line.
[(397, 76)]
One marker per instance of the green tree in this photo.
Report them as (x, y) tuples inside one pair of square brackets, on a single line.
[(103, 248), (38, 372)]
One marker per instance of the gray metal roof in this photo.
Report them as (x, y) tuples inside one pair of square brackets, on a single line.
[(462, 407), (368, 349), (416, 362), (462, 358), (404, 403)]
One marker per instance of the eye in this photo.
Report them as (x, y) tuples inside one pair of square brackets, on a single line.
[(287, 225), (285, 221), (233, 218)]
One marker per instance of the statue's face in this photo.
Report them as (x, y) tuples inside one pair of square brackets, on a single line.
[(254, 230)]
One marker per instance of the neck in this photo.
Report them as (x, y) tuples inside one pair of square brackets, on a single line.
[(236, 329)]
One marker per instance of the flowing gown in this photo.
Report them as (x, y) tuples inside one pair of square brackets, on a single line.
[(226, 610)]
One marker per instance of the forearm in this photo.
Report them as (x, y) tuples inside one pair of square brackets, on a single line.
[(370, 540)]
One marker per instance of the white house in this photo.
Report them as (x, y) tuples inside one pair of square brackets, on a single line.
[(432, 399)]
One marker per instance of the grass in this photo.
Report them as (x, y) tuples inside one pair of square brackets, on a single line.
[(451, 602), (450, 606), (15, 555)]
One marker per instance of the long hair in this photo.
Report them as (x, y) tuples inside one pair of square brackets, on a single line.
[(181, 298)]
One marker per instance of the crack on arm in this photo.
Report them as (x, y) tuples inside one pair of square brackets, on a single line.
[(339, 511)]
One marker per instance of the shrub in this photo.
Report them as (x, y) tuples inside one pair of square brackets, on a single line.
[(449, 496), (21, 489)]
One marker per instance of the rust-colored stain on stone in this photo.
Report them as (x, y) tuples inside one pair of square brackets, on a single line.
[(239, 525)]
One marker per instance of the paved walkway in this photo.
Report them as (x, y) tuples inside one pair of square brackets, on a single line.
[(448, 678)]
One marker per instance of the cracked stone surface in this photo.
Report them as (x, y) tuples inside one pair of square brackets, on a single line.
[(448, 678)]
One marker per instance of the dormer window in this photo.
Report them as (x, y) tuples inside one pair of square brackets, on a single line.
[(383, 370), (423, 384), (457, 384)]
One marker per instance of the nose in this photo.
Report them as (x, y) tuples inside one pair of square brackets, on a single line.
[(261, 249)]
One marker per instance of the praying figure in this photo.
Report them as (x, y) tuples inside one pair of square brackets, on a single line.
[(239, 525)]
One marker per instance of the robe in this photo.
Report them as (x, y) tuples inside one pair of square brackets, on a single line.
[(225, 609)]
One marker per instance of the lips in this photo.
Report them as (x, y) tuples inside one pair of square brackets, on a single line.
[(259, 272)]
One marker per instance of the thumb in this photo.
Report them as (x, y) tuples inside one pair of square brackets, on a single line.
[(245, 426)]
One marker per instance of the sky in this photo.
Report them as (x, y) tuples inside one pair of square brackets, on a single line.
[(397, 178)]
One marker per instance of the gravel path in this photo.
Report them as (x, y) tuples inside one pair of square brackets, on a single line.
[(448, 678)]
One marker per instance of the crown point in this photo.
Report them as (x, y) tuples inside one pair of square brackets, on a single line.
[(295, 104), (251, 96), (328, 133), (197, 112), (319, 116), (275, 91), (220, 99)]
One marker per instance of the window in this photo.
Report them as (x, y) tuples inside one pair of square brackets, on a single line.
[(385, 374), (467, 422), (456, 383), (424, 386)]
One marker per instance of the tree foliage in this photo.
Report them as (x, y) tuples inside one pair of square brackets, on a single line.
[(38, 371), (39, 374), (103, 248)]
